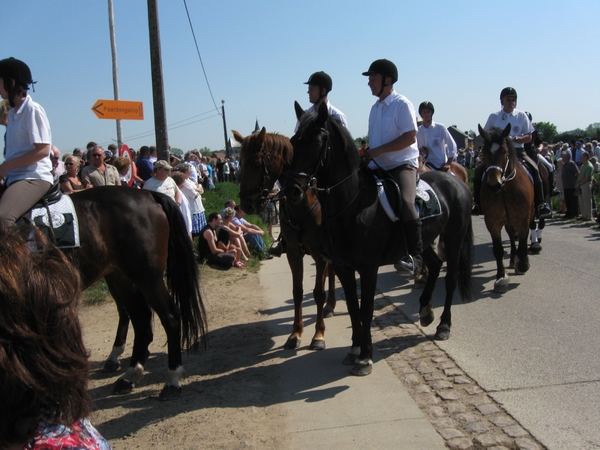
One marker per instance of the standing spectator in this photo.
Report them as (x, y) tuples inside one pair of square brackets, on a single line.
[(162, 182), (184, 206), (584, 184), (596, 149), (77, 152), (219, 167), (153, 154), (88, 151), (143, 164), (569, 180), (98, 173), (269, 214), (578, 151), (193, 192), (58, 166), (70, 181), (226, 170), (559, 186), (123, 164), (27, 165)]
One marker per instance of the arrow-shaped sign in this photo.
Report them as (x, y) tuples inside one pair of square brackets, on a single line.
[(118, 109)]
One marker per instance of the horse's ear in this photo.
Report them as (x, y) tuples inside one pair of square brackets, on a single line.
[(299, 110), (238, 137), (506, 131), (261, 136), (323, 114), (482, 132)]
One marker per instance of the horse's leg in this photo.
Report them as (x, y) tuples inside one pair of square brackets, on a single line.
[(368, 283), (330, 306), (522, 261), (433, 263), (512, 235), (501, 283), (348, 280), (535, 246), (112, 363), (318, 340), (294, 257), (453, 252)]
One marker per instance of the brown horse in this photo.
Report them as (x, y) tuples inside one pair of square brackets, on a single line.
[(131, 237), (455, 169), (263, 159), (507, 201)]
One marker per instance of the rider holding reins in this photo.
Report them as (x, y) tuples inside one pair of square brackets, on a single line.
[(520, 133), (27, 166)]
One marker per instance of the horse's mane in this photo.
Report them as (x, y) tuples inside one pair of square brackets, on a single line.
[(278, 146)]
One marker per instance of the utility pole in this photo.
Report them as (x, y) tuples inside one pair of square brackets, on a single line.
[(158, 94), (115, 69), (227, 144)]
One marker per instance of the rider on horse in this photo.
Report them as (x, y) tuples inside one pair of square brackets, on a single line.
[(520, 134), (27, 165), (393, 141), (432, 140)]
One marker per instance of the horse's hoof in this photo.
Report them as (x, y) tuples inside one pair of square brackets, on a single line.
[(521, 268), (169, 393), (122, 386), (350, 359), (511, 265), (442, 333), (317, 344), (111, 366), (535, 249), (327, 313), (292, 343), (362, 368), (501, 285), (426, 316)]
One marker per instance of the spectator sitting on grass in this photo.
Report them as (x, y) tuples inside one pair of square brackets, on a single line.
[(236, 234), (252, 233), (219, 250)]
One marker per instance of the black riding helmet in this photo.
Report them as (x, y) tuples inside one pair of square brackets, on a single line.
[(384, 67), (321, 79), (426, 105), (14, 69), (508, 91)]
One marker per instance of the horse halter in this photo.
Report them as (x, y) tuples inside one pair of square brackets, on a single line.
[(504, 179)]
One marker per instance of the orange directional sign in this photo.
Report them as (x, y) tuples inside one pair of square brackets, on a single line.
[(118, 109)]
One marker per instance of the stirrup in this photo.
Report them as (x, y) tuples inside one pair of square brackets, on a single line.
[(406, 264), (276, 249), (543, 211), (475, 211)]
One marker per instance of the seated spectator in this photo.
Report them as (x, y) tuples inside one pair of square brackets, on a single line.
[(228, 204), (162, 182), (44, 364), (236, 235), (252, 233), (98, 173), (184, 207), (70, 181), (215, 250), (193, 192)]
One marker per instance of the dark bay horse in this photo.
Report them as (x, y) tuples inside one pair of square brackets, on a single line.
[(263, 159), (507, 200), (130, 237), (358, 235)]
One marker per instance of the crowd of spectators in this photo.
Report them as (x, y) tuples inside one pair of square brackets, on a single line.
[(184, 180)]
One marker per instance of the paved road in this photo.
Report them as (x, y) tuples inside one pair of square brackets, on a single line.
[(536, 349)]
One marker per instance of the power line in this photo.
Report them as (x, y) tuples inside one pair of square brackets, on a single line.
[(200, 57)]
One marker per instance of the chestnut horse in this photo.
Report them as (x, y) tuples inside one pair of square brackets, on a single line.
[(131, 237), (358, 235), (263, 160), (455, 169), (507, 201)]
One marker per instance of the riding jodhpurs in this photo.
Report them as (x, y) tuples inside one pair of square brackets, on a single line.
[(20, 197), (406, 176)]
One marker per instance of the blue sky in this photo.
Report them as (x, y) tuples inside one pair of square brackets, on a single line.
[(257, 55)]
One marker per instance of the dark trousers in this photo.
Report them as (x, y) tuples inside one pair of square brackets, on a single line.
[(571, 203)]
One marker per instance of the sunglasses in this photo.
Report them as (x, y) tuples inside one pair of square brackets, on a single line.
[(97, 155), (69, 164)]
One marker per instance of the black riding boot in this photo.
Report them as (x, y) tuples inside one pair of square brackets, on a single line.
[(412, 262), (541, 207), (278, 247)]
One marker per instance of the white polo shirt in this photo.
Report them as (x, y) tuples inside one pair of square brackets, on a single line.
[(26, 127), (390, 118), (333, 112), (436, 137), (519, 123)]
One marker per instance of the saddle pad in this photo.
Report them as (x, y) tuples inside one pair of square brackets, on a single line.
[(426, 201), (64, 222)]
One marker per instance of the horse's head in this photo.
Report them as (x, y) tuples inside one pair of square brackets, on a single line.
[(263, 157), (499, 157)]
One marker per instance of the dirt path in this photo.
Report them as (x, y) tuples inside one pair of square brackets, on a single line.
[(227, 400)]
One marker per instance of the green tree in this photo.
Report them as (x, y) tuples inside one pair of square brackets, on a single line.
[(358, 140), (177, 152), (546, 130)]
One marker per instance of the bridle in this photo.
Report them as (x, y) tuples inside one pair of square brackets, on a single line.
[(504, 179), (261, 189)]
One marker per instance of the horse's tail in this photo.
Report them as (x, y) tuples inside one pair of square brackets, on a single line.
[(183, 277), (465, 265)]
